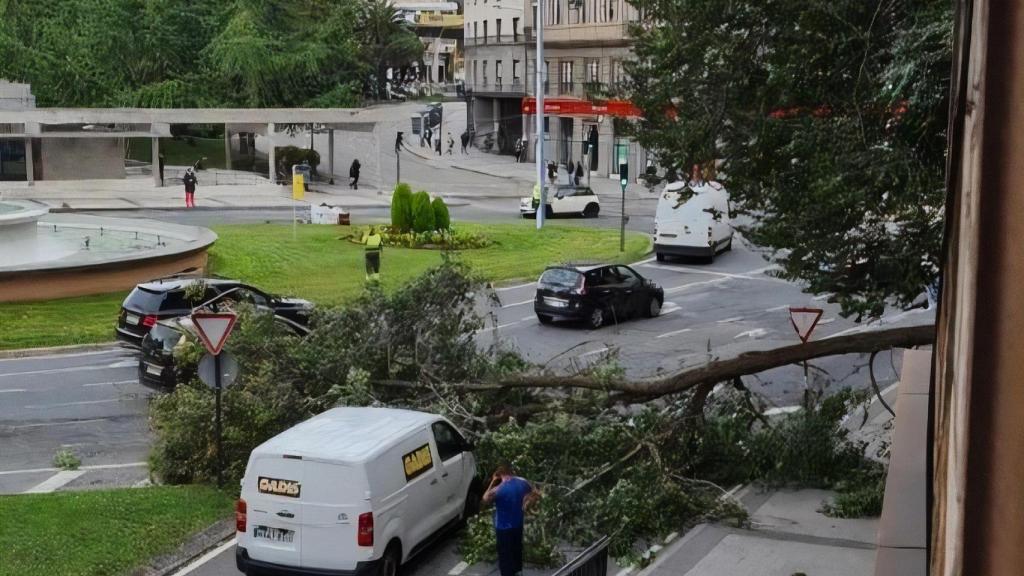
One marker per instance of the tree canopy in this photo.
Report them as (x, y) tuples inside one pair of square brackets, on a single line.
[(827, 121), (185, 53)]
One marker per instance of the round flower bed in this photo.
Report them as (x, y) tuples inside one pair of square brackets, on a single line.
[(450, 239)]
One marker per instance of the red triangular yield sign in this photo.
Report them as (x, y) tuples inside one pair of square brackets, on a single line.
[(213, 329), (804, 320)]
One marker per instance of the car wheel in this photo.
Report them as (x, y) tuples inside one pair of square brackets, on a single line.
[(596, 318), (389, 561), (472, 505), (653, 307), (659, 256), (545, 319), (591, 211)]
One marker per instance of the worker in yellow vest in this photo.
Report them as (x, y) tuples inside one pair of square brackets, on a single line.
[(374, 247)]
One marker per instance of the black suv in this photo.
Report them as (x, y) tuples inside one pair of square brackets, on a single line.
[(162, 299), (596, 294)]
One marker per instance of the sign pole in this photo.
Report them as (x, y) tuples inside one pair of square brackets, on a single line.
[(539, 152), (623, 179), (220, 446)]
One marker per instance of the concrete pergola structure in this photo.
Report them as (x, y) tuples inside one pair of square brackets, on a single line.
[(155, 123)]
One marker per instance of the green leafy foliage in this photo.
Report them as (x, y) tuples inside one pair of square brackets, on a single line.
[(289, 156), (442, 220), (828, 119), (449, 239), (401, 208), (66, 460), (198, 53), (422, 212)]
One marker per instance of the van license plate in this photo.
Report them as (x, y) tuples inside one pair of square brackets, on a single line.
[(131, 319), (556, 303), (274, 534)]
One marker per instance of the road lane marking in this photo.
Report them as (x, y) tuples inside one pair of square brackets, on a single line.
[(682, 287), (881, 322), (48, 424), (748, 275), (826, 321), (500, 326), (782, 410), (67, 404), (755, 333), (729, 320), (111, 350), (55, 482), (458, 569), (824, 296), (118, 383), (191, 567), (514, 287), (592, 352), (68, 369), (777, 308), (87, 468), (514, 304), (674, 332), (12, 390)]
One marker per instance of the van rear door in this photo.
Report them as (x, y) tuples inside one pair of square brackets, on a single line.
[(273, 493), (333, 497)]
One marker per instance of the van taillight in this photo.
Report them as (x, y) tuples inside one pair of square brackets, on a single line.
[(366, 529), (240, 515), (149, 320)]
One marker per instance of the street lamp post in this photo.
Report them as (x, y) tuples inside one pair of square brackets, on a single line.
[(539, 24)]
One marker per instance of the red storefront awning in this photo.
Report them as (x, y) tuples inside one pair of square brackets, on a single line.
[(574, 107)]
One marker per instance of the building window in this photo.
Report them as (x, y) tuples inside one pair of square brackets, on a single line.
[(474, 29), (515, 29), (476, 76), (485, 72), (515, 72), (497, 72), (547, 76), (611, 10), (497, 29), (566, 77), (485, 31), (593, 70)]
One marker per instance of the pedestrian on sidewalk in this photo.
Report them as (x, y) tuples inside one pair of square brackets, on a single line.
[(437, 146), (161, 163), (190, 182), (519, 151), (451, 144), (353, 174), (465, 142), (430, 138), (570, 168), (552, 172), (579, 173), (512, 497)]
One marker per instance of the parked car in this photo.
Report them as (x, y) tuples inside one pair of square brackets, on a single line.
[(596, 294), (564, 199), (165, 298), (692, 220), (353, 491), (156, 357)]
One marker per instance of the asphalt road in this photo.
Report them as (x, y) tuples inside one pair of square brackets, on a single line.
[(90, 403)]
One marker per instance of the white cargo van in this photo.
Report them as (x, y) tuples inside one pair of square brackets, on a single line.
[(353, 491), (692, 219)]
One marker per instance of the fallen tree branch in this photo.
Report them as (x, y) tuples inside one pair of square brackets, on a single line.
[(718, 370)]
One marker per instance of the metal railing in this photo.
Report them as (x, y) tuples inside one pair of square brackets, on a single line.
[(494, 40), (591, 562), (516, 86)]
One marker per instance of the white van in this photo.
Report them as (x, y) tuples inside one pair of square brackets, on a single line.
[(692, 219), (353, 491)]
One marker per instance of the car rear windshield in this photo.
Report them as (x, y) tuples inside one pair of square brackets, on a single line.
[(144, 300), (560, 277)]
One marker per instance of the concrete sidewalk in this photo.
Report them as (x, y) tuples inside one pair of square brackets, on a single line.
[(137, 193), (787, 536)]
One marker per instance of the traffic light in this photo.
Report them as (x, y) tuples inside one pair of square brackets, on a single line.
[(623, 173)]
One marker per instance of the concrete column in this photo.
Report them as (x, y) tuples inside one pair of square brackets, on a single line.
[(271, 155), (30, 165), (495, 122), (227, 147), (154, 162), (330, 154)]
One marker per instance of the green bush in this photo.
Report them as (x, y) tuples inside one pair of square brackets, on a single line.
[(288, 156), (401, 208), (442, 221), (422, 212), (450, 239)]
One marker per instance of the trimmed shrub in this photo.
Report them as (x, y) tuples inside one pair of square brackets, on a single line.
[(289, 156), (401, 208), (442, 221), (422, 212)]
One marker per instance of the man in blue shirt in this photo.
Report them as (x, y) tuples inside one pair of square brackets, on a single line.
[(511, 496)]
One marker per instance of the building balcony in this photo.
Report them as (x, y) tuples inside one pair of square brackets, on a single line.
[(581, 35), (503, 40), (509, 88)]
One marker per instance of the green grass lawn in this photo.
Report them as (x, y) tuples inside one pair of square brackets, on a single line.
[(181, 153), (321, 268), (102, 532)]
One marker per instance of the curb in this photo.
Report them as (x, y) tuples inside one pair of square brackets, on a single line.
[(55, 350), (193, 548), (169, 208)]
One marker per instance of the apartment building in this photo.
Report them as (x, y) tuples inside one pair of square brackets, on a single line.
[(585, 45), (497, 49), (439, 26)]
